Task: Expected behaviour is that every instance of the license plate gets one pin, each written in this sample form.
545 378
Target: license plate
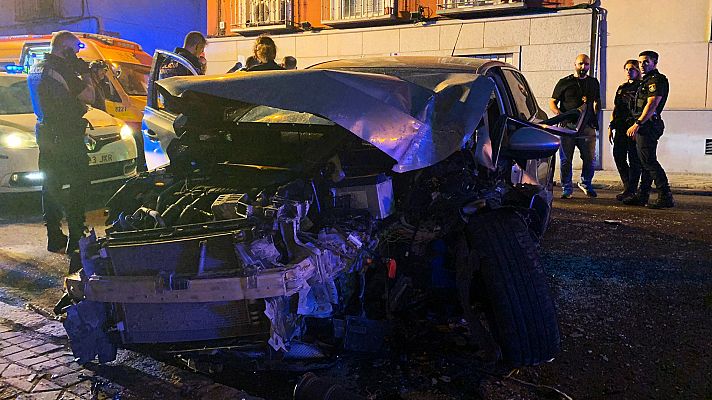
100 158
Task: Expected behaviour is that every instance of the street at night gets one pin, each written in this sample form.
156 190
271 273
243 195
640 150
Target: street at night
632 288
355 200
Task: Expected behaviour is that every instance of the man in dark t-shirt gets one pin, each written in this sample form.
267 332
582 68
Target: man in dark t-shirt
650 100
572 92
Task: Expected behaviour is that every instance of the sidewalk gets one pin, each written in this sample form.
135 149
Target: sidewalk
684 183
36 363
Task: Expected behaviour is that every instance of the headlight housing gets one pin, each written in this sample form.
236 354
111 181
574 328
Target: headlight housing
14 139
126 132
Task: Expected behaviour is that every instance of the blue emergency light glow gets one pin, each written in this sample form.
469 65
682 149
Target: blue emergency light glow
14 69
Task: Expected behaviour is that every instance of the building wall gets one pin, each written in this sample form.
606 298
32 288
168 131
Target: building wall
678 30
151 23
311 11
544 47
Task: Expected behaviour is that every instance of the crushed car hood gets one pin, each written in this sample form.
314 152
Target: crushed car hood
412 124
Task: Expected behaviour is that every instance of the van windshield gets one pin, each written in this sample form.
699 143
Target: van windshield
14 96
132 77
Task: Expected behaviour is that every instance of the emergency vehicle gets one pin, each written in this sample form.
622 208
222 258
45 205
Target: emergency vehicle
129 67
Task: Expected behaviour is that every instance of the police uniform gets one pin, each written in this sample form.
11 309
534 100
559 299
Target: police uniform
60 131
625 152
572 92
174 68
653 84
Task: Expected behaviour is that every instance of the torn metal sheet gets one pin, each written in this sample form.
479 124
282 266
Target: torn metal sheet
414 125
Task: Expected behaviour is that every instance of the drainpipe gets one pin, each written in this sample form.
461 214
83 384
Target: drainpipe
218 31
597 15
598 69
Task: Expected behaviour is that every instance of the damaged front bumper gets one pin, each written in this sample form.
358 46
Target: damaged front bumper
213 281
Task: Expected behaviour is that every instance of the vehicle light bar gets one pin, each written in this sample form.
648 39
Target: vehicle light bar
14 69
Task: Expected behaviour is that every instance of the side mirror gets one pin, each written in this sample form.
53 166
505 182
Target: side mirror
568 116
577 116
531 143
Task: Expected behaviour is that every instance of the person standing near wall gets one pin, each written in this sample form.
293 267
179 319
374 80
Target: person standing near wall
60 89
625 153
289 62
265 50
571 92
650 100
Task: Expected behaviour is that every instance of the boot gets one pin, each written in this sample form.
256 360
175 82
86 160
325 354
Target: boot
75 234
56 241
624 195
664 200
638 199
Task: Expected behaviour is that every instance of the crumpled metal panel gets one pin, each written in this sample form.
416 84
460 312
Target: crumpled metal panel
85 327
414 125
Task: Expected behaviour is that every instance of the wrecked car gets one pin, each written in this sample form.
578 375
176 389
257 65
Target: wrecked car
323 206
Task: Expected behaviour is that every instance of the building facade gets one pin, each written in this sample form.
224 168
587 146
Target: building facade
542 38
150 23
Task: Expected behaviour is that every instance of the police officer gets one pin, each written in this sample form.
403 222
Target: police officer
60 88
646 131
625 153
572 92
193 47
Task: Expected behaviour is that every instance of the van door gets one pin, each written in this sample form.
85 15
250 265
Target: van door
159 125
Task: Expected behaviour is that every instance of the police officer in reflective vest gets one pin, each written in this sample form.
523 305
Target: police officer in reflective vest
646 131
60 87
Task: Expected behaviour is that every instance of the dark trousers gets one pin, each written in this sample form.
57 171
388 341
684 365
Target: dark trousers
625 154
647 144
62 167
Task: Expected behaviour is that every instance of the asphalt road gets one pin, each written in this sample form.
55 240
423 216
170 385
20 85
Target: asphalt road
633 288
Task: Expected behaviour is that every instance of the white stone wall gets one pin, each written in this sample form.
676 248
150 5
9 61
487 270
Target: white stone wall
544 47
682 146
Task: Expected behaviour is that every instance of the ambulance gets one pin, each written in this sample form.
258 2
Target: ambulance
129 66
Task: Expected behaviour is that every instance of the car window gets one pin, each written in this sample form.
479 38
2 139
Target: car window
524 103
14 96
132 77
167 65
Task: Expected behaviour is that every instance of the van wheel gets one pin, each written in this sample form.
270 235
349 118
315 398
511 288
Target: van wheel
512 285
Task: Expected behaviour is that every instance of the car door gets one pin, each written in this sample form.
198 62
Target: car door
159 125
521 105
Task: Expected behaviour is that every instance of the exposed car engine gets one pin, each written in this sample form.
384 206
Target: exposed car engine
334 248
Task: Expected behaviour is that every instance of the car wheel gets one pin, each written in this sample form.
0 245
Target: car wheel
520 309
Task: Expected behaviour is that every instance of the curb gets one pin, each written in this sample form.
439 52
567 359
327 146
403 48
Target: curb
36 362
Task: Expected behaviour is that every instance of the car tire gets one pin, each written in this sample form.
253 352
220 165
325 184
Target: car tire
520 308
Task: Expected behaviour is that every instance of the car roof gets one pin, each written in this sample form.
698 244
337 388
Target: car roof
464 64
